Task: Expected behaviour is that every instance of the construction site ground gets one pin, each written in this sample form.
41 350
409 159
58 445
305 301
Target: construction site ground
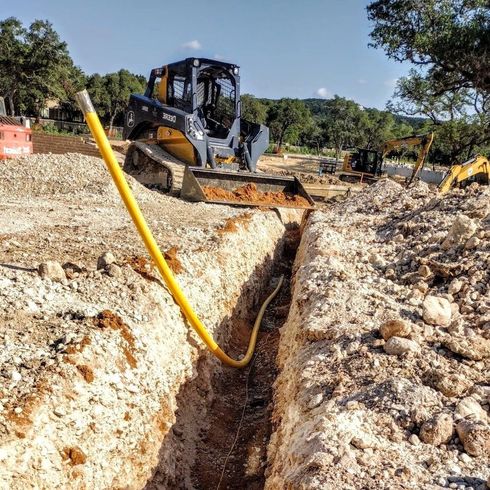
320 187
371 370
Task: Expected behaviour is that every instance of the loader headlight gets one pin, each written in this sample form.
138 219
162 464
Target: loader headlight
196 62
193 130
235 70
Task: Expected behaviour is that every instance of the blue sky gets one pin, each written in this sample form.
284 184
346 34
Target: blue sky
285 48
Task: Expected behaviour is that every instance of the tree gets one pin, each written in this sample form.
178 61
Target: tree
253 110
460 119
12 56
286 116
34 65
312 134
345 122
447 40
110 93
379 127
448 43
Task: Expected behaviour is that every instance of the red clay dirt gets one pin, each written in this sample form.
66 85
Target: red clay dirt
249 193
108 319
230 225
144 267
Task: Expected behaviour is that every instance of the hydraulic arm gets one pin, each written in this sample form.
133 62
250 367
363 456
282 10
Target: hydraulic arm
477 168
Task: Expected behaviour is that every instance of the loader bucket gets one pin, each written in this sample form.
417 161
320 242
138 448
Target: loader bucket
244 189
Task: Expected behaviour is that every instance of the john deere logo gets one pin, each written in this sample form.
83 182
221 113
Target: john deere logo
130 119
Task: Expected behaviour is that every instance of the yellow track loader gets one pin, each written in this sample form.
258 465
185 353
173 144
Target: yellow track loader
367 165
189 140
477 169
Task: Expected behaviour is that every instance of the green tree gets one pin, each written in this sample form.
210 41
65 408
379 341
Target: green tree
448 43
110 93
345 122
460 119
312 134
253 110
285 118
379 127
447 40
34 65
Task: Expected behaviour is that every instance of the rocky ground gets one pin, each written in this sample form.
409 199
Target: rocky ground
305 169
385 355
95 354
383 360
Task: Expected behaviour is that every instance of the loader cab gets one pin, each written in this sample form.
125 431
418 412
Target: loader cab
366 161
209 89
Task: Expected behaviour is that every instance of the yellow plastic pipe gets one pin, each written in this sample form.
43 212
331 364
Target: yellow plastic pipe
139 221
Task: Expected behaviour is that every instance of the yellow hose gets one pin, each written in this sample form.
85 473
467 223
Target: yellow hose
139 221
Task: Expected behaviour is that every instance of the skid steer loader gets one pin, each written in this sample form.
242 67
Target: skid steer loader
188 139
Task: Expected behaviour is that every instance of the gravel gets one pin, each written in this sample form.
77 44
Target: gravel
382 256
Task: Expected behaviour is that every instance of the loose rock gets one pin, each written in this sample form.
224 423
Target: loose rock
475 348
475 437
461 229
399 345
392 328
469 408
51 270
436 311
105 259
451 384
437 430
377 260
114 270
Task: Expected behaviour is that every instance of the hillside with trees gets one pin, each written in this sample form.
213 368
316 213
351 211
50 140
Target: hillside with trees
447 91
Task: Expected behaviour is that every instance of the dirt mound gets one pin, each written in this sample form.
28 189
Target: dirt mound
386 353
145 268
67 175
249 193
309 178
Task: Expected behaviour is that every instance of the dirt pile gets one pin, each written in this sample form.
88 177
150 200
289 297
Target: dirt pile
94 351
68 176
385 355
309 178
249 193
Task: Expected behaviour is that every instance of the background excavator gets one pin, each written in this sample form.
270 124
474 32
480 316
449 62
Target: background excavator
188 137
367 165
477 169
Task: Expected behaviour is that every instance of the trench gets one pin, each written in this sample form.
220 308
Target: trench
223 423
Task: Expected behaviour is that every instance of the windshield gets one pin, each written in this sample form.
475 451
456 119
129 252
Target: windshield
216 102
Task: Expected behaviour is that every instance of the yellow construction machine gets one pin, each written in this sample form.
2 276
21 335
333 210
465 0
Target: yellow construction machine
367 165
188 138
477 169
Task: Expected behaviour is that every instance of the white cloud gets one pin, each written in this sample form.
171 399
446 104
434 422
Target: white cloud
362 81
391 82
218 57
195 44
322 92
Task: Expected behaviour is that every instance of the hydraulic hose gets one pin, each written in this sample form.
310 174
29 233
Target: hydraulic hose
151 245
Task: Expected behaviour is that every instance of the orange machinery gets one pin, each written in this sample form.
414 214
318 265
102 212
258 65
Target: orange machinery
15 139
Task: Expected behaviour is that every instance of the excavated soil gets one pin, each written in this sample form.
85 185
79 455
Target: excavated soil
384 358
379 339
248 193
95 353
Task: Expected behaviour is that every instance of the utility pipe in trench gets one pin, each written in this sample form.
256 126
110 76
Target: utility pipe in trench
146 235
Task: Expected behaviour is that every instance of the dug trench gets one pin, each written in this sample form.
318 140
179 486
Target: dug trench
223 423
103 384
